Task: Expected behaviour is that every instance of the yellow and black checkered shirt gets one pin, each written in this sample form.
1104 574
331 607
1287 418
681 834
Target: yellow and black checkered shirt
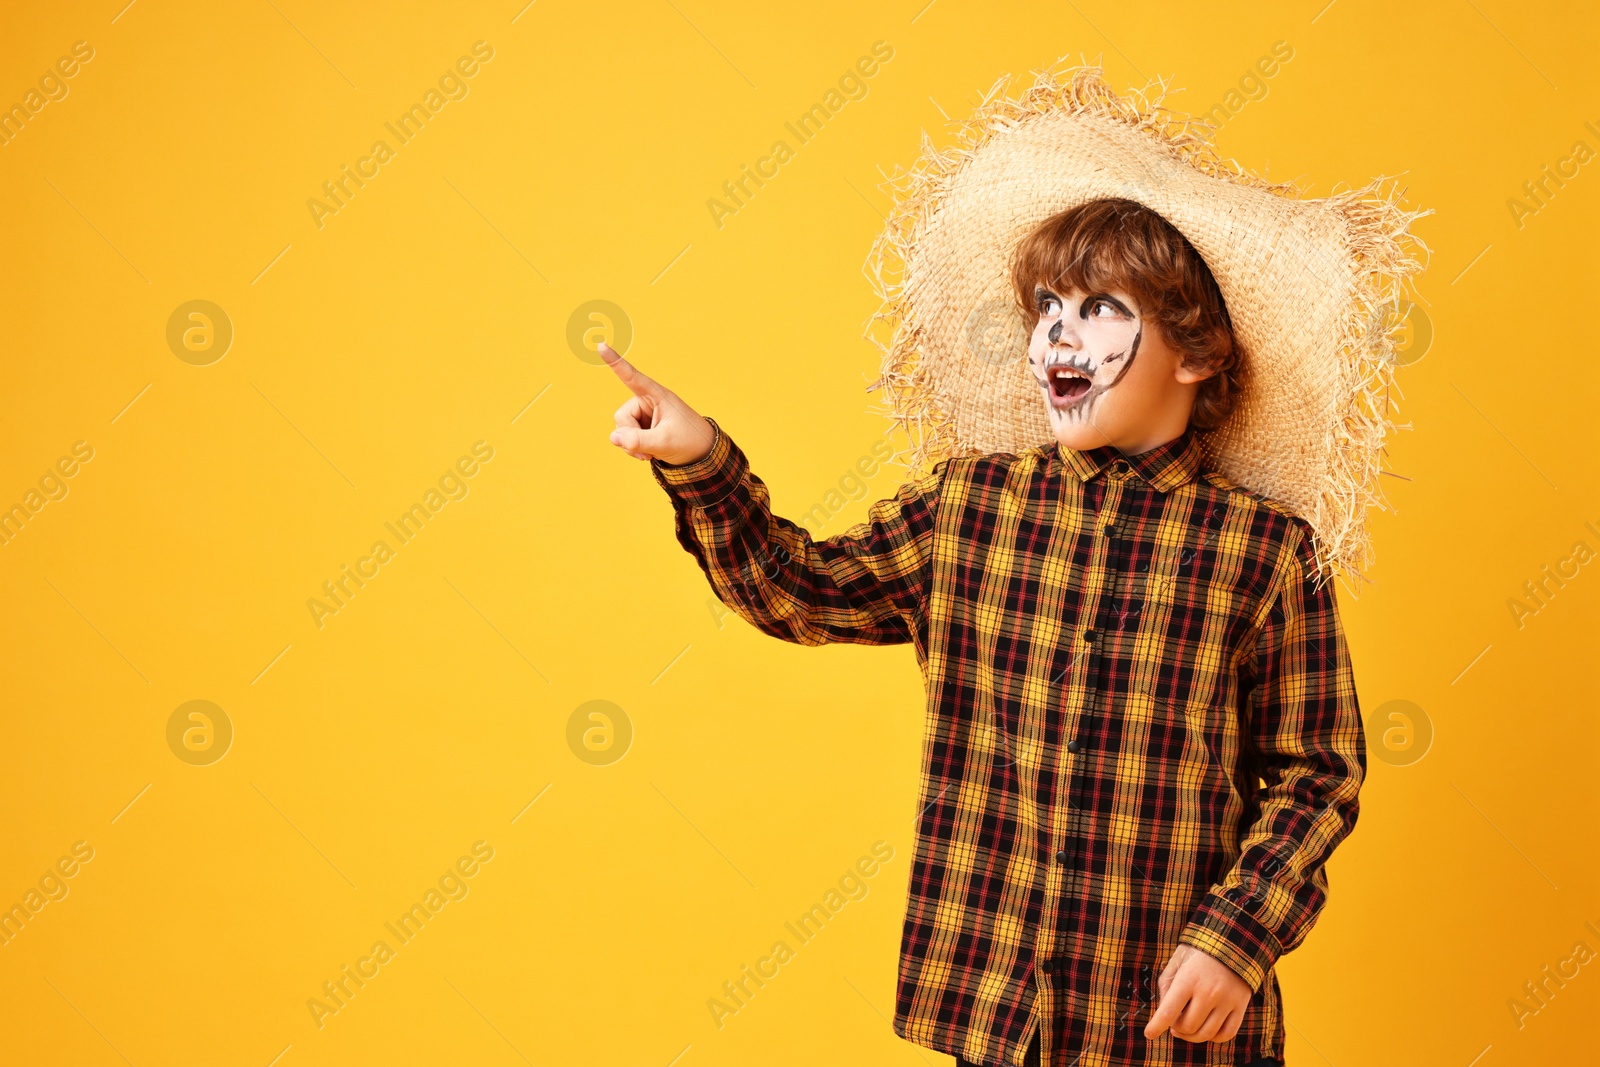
1141 728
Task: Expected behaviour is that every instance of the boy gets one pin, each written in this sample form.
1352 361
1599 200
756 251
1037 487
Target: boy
1142 736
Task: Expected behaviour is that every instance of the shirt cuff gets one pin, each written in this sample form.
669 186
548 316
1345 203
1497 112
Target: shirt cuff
709 479
1223 929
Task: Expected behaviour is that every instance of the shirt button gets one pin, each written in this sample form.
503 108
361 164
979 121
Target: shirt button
1061 856
1074 746
1088 637
1119 466
1109 529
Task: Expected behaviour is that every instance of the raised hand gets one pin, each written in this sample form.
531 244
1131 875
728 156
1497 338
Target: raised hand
654 423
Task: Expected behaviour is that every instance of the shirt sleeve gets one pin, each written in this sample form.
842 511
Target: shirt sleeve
1305 726
868 585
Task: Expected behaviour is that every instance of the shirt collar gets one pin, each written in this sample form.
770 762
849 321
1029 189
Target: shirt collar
1164 467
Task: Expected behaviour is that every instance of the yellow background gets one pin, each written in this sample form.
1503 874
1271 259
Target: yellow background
425 716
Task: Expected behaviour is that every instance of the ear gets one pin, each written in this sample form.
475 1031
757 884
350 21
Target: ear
1187 376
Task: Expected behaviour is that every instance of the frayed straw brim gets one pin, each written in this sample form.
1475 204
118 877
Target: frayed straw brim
1314 288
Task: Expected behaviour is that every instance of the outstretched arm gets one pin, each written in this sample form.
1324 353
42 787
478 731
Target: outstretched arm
867 585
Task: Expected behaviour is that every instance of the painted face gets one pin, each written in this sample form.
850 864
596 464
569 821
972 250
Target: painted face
1083 348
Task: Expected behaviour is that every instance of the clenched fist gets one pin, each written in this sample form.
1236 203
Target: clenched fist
654 423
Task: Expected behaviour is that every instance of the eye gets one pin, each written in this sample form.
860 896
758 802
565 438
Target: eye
1049 304
1103 307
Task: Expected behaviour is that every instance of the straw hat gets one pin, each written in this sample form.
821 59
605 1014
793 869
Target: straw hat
1314 288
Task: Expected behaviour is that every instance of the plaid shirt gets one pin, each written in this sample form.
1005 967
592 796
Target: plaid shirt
1141 728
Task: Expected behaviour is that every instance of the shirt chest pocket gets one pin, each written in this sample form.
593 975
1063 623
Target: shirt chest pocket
1171 577
1165 567
1184 566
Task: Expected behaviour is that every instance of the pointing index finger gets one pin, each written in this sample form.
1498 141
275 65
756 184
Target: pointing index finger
634 378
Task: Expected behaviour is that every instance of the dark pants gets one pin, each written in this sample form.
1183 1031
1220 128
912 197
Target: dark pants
1032 1058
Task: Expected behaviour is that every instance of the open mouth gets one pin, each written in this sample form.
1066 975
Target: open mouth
1066 383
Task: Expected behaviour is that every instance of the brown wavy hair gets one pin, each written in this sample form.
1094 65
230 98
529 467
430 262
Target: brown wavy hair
1120 244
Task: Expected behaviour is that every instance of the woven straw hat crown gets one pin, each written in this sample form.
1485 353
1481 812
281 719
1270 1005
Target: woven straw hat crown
1314 289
